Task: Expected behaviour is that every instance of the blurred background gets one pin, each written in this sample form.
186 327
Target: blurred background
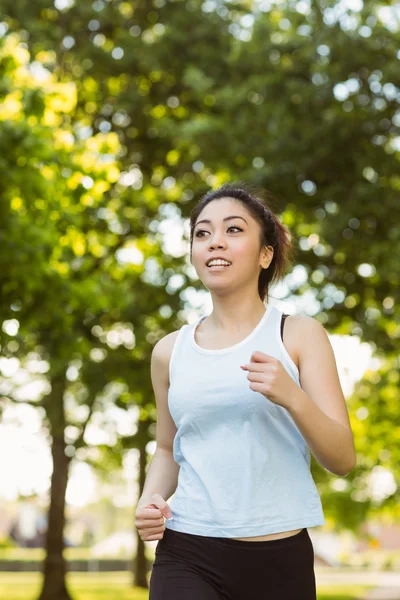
115 117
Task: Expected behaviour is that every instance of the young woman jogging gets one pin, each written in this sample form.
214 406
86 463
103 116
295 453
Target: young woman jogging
242 397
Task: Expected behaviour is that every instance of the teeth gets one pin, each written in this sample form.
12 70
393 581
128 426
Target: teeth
218 262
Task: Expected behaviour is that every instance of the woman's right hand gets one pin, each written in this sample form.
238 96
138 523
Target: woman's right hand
149 518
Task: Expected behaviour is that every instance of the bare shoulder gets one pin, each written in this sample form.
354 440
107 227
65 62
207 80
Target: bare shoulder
297 329
302 323
164 346
162 351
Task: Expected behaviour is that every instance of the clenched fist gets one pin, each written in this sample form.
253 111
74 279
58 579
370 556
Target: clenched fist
149 518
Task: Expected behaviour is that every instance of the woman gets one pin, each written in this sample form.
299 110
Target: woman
239 406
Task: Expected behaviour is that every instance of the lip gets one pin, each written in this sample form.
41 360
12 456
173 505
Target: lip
218 267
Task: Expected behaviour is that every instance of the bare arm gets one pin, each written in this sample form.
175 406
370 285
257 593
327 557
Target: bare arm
161 478
319 407
162 474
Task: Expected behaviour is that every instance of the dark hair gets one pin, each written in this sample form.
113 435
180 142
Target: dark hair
273 233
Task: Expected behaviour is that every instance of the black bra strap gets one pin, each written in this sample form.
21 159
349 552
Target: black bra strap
282 323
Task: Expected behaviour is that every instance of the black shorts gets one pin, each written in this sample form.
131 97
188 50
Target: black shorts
195 567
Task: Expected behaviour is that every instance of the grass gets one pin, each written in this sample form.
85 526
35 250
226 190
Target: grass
82 586
117 586
342 592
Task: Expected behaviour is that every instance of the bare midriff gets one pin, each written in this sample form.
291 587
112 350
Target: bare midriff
271 536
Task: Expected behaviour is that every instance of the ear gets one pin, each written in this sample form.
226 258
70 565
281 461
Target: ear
267 256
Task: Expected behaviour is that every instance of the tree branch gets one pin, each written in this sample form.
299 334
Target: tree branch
79 442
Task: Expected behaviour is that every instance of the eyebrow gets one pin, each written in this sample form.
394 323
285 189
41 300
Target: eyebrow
226 219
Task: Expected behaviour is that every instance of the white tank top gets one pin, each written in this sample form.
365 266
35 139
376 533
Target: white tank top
244 465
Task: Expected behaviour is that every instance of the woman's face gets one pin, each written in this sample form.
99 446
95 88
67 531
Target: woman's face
235 239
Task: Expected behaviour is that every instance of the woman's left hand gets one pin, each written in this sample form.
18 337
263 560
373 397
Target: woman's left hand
268 376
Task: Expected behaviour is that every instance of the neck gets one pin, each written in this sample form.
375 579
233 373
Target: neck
234 316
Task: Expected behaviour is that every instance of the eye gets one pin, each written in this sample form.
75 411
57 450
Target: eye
204 231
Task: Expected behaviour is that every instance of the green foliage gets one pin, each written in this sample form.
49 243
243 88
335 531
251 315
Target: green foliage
132 117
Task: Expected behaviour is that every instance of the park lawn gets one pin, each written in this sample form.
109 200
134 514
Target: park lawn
82 586
116 586
341 592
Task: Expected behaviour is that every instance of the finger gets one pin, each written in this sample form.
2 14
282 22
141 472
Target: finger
143 522
256 377
258 356
257 387
152 530
254 367
159 501
151 513
153 538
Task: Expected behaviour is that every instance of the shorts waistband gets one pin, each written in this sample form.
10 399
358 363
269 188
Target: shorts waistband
264 543
286 541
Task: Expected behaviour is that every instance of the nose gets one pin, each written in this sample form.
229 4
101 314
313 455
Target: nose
217 241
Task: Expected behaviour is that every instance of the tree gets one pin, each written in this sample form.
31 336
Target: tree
64 276
302 100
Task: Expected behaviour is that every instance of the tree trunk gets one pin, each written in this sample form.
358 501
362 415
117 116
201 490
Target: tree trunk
140 563
54 584
54 581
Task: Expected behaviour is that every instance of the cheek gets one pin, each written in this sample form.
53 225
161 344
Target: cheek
244 252
198 257
196 252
